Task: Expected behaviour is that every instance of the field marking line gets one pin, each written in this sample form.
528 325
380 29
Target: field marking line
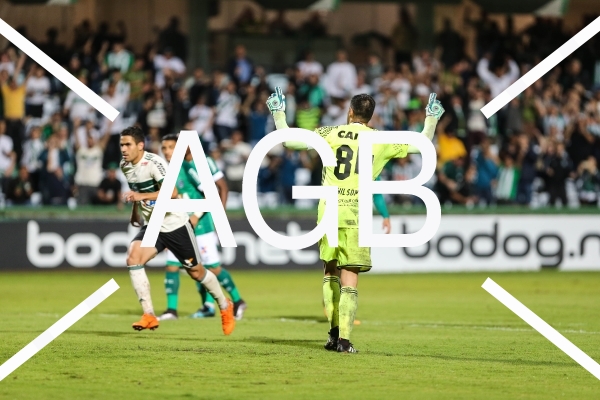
59 327
542 327
541 69
56 70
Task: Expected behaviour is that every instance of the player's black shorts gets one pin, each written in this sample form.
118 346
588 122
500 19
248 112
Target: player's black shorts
181 242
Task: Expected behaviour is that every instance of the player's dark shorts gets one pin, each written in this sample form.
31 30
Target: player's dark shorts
181 242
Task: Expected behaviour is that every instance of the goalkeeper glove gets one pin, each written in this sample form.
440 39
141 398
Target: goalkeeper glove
276 102
434 107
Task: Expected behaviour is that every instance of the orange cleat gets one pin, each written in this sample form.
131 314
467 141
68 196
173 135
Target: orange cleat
227 318
147 322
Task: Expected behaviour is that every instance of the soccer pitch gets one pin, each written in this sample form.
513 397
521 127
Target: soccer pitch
422 337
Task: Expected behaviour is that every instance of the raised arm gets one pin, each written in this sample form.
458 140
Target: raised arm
433 112
276 104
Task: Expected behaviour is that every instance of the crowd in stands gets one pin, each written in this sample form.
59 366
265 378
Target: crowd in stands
542 148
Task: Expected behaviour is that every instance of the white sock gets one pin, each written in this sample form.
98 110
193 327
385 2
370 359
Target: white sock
141 285
211 283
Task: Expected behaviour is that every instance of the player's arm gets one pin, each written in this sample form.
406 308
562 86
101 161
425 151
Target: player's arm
276 104
433 112
136 196
380 206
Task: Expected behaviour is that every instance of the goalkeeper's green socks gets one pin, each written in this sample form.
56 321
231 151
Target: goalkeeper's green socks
331 299
226 281
348 307
172 289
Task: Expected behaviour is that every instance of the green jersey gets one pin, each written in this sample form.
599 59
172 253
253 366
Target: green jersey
189 187
343 140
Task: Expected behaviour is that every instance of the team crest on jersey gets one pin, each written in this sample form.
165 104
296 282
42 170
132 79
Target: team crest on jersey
144 163
189 262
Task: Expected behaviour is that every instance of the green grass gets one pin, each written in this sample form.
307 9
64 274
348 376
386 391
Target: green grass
421 337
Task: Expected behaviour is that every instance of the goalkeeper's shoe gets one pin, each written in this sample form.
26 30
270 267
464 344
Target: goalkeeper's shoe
227 318
204 312
147 322
238 309
332 341
344 346
169 315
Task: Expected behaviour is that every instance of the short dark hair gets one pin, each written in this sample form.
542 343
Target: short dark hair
135 132
363 107
170 136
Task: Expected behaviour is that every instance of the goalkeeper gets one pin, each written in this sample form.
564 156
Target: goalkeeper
342 264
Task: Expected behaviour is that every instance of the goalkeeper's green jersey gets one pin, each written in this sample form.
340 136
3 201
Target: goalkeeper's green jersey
189 187
343 140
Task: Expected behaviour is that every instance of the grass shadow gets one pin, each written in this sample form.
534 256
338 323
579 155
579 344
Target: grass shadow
305 343
515 361
308 318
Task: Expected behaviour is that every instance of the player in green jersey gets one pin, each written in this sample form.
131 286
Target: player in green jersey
188 186
343 263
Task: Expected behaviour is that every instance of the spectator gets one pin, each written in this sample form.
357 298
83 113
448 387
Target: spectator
241 68
268 174
486 164
588 182
258 116
165 64
199 86
136 78
374 69
341 76
558 167
226 111
89 158
504 75
313 91
119 58
455 183
54 183
307 116
508 178
112 153
201 116
405 169
37 88
13 97
20 188
290 162
309 66
8 157
32 149
109 190
235 155
77 108
449 147
387 111
528 157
